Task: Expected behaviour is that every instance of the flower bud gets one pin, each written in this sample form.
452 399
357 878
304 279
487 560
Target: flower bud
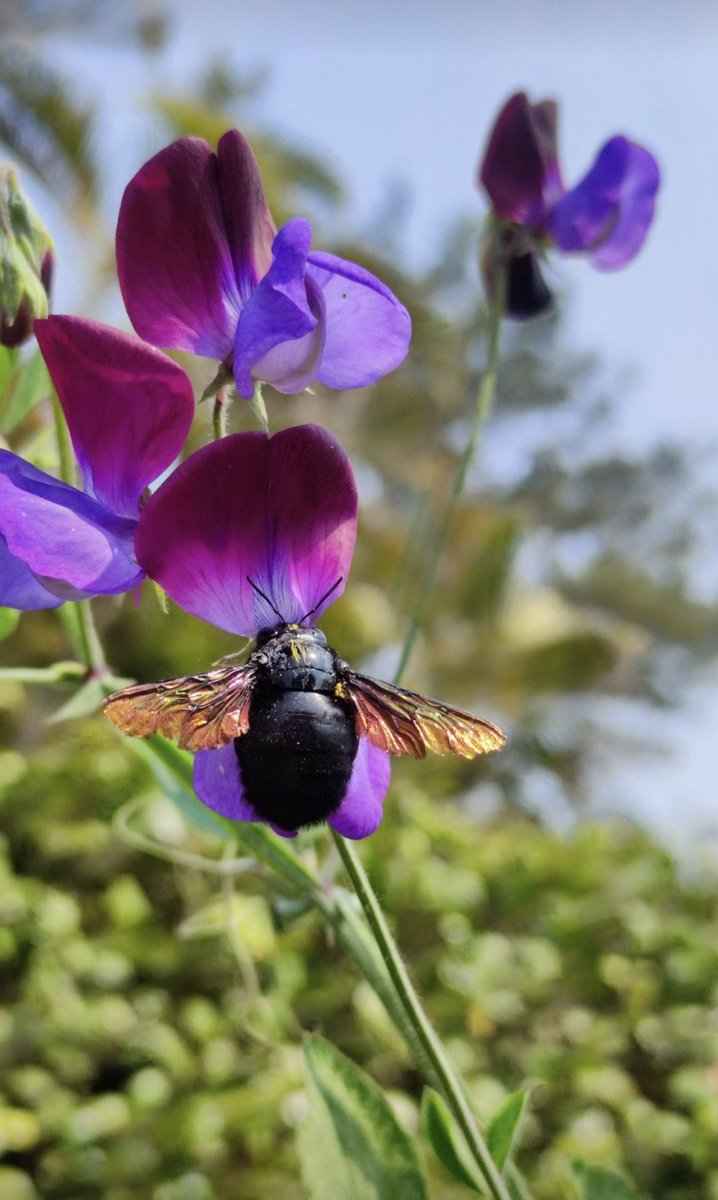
26 262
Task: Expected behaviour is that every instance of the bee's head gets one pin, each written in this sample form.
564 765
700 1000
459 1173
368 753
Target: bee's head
266 635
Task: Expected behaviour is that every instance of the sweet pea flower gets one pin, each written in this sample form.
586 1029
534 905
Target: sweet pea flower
606 216
280 512
128 409
202 268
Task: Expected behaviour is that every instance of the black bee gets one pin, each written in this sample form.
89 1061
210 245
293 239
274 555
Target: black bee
296 712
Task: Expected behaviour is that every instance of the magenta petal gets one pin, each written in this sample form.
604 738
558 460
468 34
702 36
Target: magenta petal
128 407
280 511
18 586
609 213
280 314
520 168
360 812
247 220
61 534
173 259
218 783
367 330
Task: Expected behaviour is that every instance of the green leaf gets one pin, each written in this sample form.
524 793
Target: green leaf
9 618
447 1142
599 1184
351 1144
87 699
503 1126
26 387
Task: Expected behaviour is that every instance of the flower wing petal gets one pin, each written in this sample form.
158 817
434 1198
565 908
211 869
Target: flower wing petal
360 812
218 783
18 586
280 333
367 329
128 407
173 256
608 214
62 534
280 511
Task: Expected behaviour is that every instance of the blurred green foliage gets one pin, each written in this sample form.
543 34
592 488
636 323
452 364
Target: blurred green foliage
152 1014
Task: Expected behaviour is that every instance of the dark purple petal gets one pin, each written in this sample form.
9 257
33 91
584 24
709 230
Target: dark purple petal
218 783
63 535
247 219
280 333
608 214
281 511
18 586
360 812
128 407
367 330
520 168
174 261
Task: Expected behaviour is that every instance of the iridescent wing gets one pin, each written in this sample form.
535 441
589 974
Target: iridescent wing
202 711
404 722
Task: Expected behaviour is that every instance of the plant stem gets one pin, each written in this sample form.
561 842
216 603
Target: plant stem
219 412
442 1068
79 624
65 462
484 402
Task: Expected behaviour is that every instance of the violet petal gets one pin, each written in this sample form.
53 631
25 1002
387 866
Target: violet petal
280 314
280 511
608 214
218 783
367 330
520 170
18 586
62 534
247 220
128 407
174 262
360 812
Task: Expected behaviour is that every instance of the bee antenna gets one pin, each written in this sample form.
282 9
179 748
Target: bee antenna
319 603
264 596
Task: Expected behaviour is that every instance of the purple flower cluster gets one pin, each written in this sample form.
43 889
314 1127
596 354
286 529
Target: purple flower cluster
254 530
605 217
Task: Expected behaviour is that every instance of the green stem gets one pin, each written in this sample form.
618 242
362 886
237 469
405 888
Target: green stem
61 674
451 1087
484 402
65 459
259 408
79 621
219 413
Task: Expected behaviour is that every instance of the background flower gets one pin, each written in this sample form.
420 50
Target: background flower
202 268
128 409
606 216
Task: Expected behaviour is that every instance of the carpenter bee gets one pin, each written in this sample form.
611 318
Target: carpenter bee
295 713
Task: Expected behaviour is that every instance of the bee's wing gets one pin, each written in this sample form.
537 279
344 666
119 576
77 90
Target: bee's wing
202 711
404 722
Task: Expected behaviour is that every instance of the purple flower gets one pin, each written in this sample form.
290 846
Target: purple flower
606 216
202 268
248 528
128 409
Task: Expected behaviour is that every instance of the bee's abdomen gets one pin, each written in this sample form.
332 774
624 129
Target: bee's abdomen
296 759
